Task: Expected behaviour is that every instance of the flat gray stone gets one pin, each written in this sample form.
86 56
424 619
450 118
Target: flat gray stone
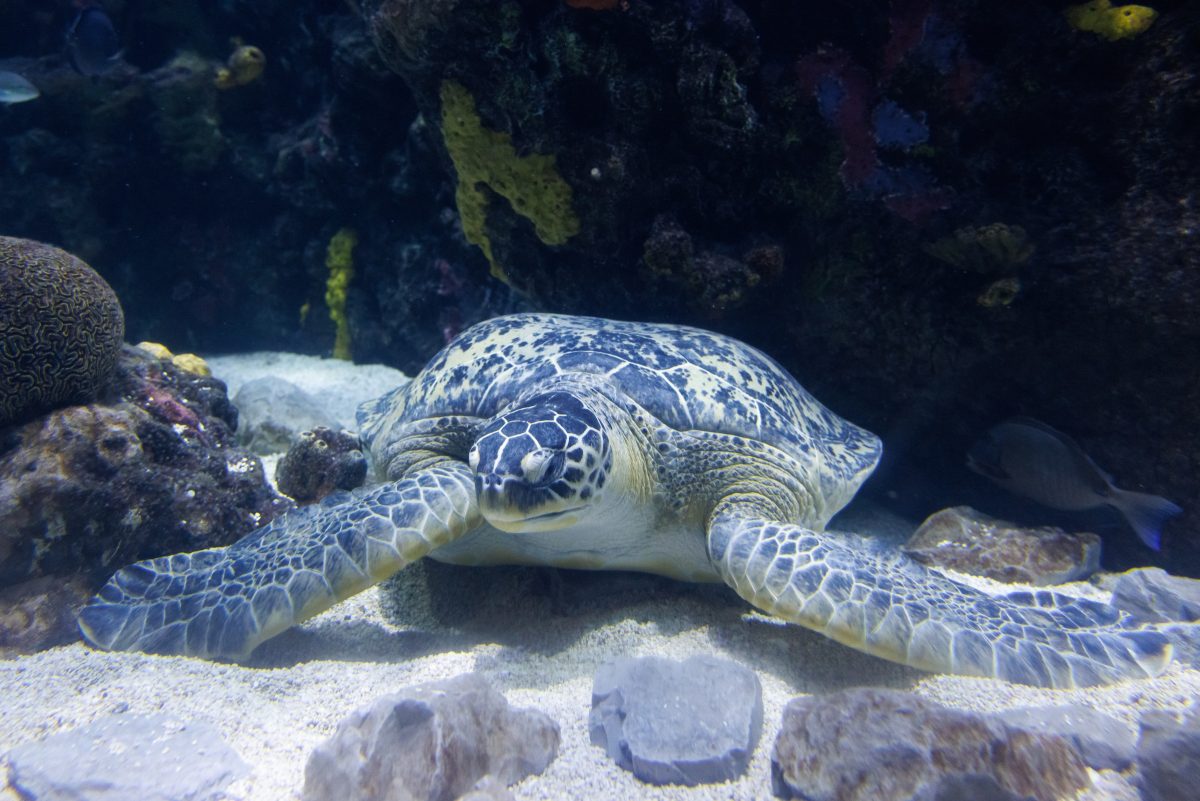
431 741
668 722
123 757
1104 742
1168 756
963 539
272 413
1152 595
887 745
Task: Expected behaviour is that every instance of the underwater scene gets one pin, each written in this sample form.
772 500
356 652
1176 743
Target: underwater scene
615 399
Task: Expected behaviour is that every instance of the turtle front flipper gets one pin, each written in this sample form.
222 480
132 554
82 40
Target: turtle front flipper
880 601
223 602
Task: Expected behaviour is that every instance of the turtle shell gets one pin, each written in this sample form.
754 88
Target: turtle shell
690 379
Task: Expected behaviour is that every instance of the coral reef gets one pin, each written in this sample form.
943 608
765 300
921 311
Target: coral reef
150 468
186 118
61 327
484 157
984 249
597 5
188 362
713 283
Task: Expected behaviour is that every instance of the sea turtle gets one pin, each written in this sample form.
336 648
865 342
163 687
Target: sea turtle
588 443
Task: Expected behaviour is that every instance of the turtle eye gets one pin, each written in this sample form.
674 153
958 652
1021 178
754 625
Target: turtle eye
534 464
473 457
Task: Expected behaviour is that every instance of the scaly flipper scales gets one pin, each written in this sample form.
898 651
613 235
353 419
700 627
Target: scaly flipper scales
223 602
879 601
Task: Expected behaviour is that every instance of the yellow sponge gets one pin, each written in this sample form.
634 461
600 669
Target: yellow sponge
530 183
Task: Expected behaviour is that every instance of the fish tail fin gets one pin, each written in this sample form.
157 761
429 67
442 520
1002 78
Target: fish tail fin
1146 513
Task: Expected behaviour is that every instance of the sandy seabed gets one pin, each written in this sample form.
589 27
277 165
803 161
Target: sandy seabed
538 635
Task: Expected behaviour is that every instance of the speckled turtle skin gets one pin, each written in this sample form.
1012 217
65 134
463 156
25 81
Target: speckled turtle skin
596 444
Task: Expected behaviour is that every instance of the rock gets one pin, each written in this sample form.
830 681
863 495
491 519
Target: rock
962 539
887 745
339 387
1168 756
151 468
967 787
668 722
61 326
1185 639
321 461
1104 742
489 788
274 412
39 614
150 758
1152 595
433 741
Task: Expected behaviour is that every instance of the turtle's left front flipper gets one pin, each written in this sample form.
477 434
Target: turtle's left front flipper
880 601
223 602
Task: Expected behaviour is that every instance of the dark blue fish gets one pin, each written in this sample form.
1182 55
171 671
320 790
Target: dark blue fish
1031 459
92 44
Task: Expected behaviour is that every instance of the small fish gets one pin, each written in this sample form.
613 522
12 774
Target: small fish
92 44
15 89
1033 460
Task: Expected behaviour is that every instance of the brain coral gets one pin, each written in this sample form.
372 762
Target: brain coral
61 328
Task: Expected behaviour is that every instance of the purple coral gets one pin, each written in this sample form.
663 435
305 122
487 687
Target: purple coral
896 128
851 99
845 93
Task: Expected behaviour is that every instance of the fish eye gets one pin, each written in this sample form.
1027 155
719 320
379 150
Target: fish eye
473 457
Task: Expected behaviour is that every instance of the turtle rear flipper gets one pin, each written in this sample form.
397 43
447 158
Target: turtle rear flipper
223 602
882 602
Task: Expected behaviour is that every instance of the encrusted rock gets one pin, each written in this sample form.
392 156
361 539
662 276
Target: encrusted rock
1152 595
40 613
1185 639
152 757
150 469
960 538
61 327
431 741
489 788
887 745
273 413
1104 742
320 462
668 722
1168 756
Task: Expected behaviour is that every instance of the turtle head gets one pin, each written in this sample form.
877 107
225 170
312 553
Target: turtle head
543 466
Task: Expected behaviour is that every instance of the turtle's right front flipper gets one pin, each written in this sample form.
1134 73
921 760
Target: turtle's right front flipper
223 602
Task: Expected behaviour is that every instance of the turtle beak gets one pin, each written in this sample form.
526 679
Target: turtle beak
489 491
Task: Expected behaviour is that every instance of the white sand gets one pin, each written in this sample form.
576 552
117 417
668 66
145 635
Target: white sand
538 636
